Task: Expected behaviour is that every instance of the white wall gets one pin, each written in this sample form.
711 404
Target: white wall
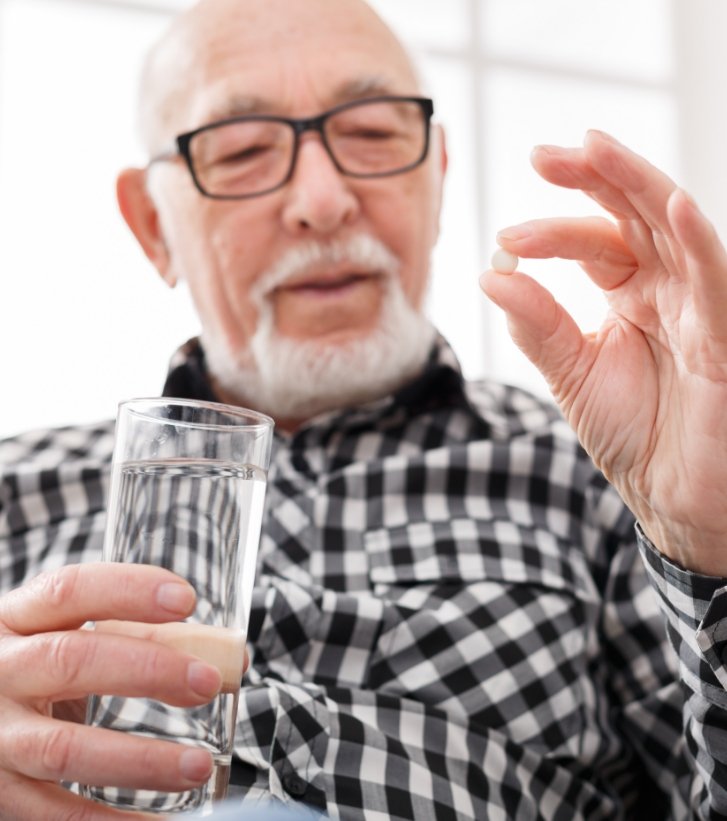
700 49
83 319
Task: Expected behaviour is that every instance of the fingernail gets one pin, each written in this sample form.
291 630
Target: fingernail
602 134
196 765
204 679
515 232
545 149
177 597
689 199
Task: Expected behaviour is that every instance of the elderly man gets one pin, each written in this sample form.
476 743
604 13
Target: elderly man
452 619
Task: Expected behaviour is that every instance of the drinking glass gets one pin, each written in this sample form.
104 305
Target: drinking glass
187 490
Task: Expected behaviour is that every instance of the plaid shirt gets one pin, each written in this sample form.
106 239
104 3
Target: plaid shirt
450 620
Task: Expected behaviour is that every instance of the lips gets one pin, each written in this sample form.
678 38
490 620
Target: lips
327 282
339 300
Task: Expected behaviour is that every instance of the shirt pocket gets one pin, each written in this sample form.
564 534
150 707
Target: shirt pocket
490 620
464 551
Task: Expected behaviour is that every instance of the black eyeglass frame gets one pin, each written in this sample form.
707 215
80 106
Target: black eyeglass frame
300 126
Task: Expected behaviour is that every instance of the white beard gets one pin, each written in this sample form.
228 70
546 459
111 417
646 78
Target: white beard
298 379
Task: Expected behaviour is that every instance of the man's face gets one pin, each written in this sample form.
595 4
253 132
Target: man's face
297 60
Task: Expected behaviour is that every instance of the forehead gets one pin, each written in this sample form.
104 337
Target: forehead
310 56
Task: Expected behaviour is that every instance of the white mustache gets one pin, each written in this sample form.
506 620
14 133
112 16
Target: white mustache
361 251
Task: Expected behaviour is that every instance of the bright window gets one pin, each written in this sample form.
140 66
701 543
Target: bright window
85 322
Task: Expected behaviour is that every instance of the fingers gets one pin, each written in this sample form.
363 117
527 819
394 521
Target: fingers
67 598
570 168
644 186
23 799
68 665
660 226
626 185
44 658
595 242
222 647
706 260
540 327
47 750
622 181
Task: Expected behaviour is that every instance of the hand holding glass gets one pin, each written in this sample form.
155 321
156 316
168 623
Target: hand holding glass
187 490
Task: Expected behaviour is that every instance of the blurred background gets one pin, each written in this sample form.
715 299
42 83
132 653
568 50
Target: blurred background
84 320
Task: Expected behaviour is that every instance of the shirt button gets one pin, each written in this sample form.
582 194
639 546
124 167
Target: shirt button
294 785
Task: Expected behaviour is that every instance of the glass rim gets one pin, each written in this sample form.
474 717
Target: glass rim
262 421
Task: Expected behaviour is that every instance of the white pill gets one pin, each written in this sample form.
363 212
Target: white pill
504 262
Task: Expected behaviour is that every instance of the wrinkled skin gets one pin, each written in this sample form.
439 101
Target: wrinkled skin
47 668
647 393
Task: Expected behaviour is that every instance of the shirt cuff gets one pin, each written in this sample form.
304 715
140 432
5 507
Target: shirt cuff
696 609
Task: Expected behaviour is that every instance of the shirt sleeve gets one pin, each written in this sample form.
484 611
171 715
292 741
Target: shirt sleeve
53 490
695 607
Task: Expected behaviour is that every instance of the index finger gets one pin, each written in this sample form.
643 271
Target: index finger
626 185
67 598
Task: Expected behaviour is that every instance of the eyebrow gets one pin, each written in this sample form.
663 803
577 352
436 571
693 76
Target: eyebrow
365 87
357 89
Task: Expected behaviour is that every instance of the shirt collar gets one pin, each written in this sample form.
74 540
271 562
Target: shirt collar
440 384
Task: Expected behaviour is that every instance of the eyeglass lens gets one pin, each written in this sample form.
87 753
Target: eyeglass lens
254 155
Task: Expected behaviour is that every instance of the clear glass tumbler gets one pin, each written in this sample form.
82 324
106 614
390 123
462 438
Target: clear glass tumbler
187 490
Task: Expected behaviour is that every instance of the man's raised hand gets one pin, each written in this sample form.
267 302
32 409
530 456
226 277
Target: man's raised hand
647 393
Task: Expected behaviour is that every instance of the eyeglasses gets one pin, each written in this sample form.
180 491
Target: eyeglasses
249 156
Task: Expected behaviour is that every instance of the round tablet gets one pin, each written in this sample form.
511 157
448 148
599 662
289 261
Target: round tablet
504 262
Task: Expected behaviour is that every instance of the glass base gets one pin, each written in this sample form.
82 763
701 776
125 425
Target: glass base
200 801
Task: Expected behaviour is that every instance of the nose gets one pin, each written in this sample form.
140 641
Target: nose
319 199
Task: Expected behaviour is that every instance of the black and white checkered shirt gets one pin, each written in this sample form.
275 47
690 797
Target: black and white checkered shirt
451 618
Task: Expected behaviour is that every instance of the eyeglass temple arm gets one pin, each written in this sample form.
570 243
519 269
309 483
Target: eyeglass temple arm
169 153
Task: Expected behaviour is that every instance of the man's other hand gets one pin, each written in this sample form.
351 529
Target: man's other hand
49 665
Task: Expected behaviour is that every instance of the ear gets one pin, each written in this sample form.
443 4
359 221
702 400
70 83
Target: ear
142 217
440 147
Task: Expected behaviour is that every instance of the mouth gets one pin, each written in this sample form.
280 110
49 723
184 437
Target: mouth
328 301
331 283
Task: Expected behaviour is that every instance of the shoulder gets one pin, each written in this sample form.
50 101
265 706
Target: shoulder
53 491
52 448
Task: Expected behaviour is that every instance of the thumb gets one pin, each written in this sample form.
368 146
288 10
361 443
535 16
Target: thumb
543 330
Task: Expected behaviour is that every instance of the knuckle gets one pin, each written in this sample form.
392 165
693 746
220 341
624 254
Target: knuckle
157 665
152 764
56 753
78 812
19 798
66 655
18 745
58 588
